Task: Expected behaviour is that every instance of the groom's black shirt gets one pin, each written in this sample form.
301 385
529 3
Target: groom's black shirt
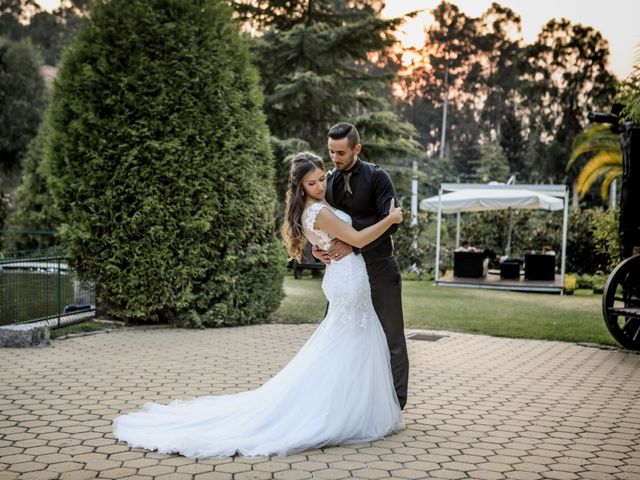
372 191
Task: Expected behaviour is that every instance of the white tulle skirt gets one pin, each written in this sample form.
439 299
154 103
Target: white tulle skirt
338 389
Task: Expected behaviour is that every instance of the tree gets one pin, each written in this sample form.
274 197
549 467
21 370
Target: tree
320 63
629 91
49 32
566 77
32 223
22 99
449 79
512 141
13 15
492 165
159 164
500 47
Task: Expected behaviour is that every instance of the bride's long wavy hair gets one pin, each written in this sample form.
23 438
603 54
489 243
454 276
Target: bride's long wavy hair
292 233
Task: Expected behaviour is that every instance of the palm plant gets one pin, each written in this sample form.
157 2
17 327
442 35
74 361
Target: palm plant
606 162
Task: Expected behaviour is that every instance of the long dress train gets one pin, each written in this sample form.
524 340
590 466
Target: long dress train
338 389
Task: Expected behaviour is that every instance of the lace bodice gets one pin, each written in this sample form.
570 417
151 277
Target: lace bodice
345 283
315 235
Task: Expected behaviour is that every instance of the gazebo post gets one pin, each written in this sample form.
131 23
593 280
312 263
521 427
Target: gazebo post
438 234
565 221
458 230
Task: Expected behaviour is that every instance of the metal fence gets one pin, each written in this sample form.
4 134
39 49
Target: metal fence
43 290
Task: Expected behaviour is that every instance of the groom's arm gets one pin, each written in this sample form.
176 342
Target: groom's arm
338 247
383 192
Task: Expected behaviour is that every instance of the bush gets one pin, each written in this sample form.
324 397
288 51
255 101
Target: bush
160 166
582 257
598 281
606 236
584 281
32 224
418 258
531 230
570 283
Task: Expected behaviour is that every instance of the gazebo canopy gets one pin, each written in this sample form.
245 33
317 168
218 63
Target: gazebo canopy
474 197
480 199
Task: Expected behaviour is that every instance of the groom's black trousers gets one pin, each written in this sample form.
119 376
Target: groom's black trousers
386 293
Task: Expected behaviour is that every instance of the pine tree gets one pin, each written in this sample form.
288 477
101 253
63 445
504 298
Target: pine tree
492 164
160 166
316 59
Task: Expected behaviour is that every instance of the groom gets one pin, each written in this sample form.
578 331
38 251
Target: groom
364 191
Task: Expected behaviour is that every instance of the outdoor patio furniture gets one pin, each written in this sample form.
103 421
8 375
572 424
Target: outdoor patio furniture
510 270
468 264
538 266
308 261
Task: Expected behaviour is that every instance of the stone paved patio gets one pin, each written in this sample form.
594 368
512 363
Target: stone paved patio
479 408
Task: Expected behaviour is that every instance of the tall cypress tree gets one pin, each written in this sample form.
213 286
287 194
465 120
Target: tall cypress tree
159 164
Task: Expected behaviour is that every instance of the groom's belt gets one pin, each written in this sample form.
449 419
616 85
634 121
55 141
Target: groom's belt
378 252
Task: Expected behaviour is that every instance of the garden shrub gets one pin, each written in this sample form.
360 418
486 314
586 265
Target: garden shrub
160 166
606 236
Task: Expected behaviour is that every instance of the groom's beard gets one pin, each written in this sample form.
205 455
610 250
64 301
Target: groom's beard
349 165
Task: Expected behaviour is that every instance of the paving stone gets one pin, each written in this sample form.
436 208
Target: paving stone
25 467
370 473
118 473
272 466
156 470
488 475
460 466
234 467
408 474
53 458
65 467
361 457
331 474
291 475
192 468
174 476
449 474
520 475
39 475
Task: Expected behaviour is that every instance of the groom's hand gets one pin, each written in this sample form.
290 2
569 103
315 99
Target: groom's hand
322 255
339 249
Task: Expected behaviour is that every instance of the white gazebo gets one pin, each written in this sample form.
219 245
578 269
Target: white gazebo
473 197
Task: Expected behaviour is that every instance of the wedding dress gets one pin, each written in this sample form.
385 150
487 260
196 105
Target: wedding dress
338 389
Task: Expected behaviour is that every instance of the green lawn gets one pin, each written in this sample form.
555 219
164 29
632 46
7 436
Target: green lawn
571 318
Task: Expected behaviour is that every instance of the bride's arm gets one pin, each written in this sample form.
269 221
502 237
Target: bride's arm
334 226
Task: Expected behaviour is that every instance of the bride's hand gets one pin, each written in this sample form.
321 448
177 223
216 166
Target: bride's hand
395 212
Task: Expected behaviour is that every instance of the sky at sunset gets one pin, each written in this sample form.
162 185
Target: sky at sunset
617 20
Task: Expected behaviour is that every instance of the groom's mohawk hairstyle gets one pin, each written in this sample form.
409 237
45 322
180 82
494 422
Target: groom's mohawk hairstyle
342 130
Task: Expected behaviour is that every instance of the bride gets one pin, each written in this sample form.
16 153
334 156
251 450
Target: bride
338 389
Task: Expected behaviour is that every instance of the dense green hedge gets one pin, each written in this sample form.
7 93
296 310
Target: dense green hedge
160 165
